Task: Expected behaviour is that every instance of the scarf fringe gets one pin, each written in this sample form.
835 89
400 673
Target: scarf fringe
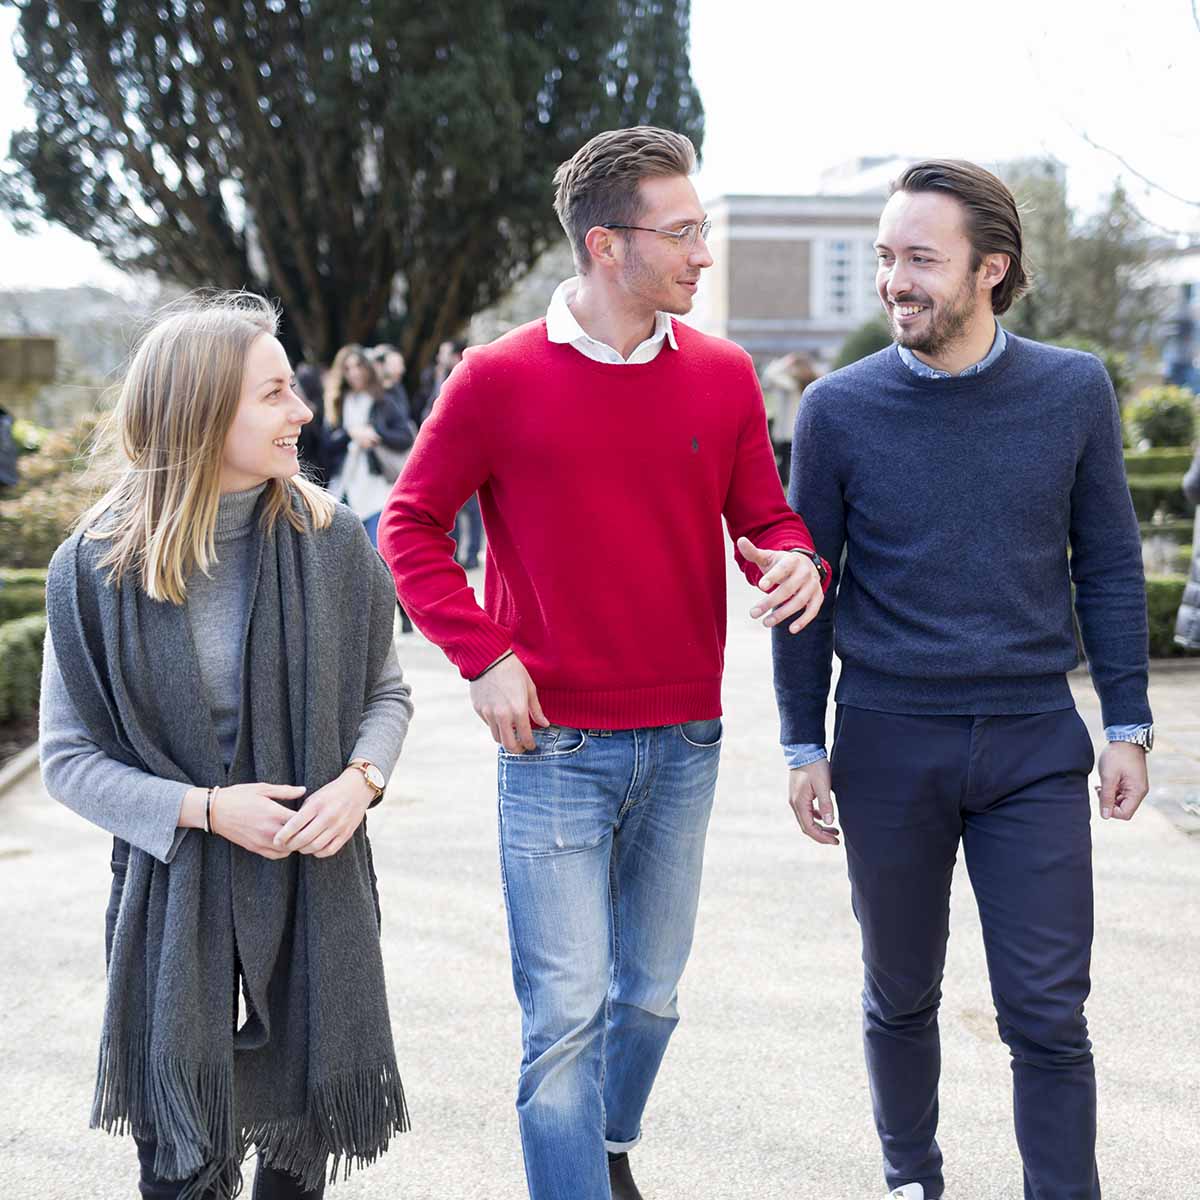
352 1117
187 1108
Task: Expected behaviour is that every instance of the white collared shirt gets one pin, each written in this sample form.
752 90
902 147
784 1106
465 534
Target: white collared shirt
561 326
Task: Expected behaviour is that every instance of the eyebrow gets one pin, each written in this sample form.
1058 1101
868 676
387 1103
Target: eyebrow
276 379
687 221
926 249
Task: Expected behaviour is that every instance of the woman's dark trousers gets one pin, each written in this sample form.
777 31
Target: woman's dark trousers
269 1184
1013 790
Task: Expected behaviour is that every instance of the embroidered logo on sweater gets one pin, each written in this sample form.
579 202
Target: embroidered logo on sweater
695 445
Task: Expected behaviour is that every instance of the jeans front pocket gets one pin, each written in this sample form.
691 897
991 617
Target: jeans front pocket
702 735
554 741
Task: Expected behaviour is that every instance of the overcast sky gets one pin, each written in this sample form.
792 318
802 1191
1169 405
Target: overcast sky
793 86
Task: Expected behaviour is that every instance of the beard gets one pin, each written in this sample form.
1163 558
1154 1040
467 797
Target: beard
642 281
947 321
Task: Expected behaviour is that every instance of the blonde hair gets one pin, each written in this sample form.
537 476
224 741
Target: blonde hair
598 184
175 409
336 384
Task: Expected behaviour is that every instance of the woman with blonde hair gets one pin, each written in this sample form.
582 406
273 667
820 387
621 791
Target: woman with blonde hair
369 436
205 701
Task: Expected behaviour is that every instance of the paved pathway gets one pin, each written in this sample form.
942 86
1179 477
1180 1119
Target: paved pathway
763 1093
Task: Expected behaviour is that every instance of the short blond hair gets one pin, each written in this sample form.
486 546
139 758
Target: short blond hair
176 406
598 184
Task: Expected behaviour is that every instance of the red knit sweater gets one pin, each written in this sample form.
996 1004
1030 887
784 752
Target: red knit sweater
602 489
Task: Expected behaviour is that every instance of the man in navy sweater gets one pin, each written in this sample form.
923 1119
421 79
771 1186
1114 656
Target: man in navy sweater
970 476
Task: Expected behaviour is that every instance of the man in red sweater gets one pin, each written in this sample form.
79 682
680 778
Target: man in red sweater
606 442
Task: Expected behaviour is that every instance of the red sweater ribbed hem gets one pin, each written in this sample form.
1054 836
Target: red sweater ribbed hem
633 708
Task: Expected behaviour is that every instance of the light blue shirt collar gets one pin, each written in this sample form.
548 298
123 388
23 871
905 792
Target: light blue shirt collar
925 371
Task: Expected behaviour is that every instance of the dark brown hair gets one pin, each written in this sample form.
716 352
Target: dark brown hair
598 184
992 221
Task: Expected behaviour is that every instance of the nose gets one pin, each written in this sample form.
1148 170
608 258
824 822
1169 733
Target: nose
897 280
300 413
699 255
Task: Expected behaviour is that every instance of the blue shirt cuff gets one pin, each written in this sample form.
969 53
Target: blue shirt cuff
800 754
1123 733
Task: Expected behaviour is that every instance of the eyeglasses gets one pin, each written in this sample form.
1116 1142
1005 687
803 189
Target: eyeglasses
685 238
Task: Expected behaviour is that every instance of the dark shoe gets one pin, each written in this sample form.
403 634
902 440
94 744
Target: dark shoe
620 1178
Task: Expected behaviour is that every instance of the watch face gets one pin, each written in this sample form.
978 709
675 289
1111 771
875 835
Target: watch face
374 776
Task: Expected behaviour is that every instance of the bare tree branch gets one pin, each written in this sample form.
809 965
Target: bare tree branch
1158 187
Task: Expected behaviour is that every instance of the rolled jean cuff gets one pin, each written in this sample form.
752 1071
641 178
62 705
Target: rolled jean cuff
622 1147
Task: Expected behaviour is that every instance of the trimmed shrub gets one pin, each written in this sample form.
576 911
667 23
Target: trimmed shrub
1179 528
1163 594
1163 416
55 489
33 523
23 575
868 338
21 666
21 599
1167 461
1152 493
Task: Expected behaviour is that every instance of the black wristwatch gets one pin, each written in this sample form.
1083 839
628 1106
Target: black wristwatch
816 560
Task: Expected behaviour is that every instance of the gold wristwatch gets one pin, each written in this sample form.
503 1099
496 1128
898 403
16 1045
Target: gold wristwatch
372 774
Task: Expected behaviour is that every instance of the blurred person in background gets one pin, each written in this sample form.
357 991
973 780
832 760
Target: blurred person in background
449 355
368 435
468 533
784 381
205 701
1187 623
310 387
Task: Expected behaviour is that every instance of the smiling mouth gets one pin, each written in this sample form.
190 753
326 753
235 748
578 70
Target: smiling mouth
906 312
288 443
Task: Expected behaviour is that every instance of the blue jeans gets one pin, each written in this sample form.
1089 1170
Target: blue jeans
601 847
371 525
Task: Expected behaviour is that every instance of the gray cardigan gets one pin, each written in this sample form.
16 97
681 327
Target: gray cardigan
140 808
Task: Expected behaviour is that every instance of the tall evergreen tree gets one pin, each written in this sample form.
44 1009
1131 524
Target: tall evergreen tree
365 161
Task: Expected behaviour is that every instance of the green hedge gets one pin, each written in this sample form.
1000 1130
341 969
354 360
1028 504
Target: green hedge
1153 492
1180 528
1163 416
21 666
21 599
1163 594
1169 461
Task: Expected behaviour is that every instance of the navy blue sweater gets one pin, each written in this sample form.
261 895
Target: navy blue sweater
966 507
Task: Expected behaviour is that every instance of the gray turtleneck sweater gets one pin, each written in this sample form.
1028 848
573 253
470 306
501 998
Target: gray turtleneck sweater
143 809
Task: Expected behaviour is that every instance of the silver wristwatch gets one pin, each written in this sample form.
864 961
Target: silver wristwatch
1141 737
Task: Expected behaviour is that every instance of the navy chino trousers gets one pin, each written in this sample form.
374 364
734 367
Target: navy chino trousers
1013 791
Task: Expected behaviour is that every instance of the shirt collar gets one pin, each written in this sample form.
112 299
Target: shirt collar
561 325
925 371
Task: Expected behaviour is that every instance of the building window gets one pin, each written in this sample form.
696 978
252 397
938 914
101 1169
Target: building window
848 283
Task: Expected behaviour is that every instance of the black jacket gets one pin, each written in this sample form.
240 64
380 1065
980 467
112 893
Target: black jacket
390 418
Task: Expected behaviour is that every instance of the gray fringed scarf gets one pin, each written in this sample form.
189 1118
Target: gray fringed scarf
312 1071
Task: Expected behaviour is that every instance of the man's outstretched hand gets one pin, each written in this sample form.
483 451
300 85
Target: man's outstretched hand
792 581
507 703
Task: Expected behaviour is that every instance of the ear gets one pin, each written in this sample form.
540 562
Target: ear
993 270
602 246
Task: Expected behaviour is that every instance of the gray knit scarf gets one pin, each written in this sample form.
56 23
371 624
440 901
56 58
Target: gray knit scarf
311 1073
